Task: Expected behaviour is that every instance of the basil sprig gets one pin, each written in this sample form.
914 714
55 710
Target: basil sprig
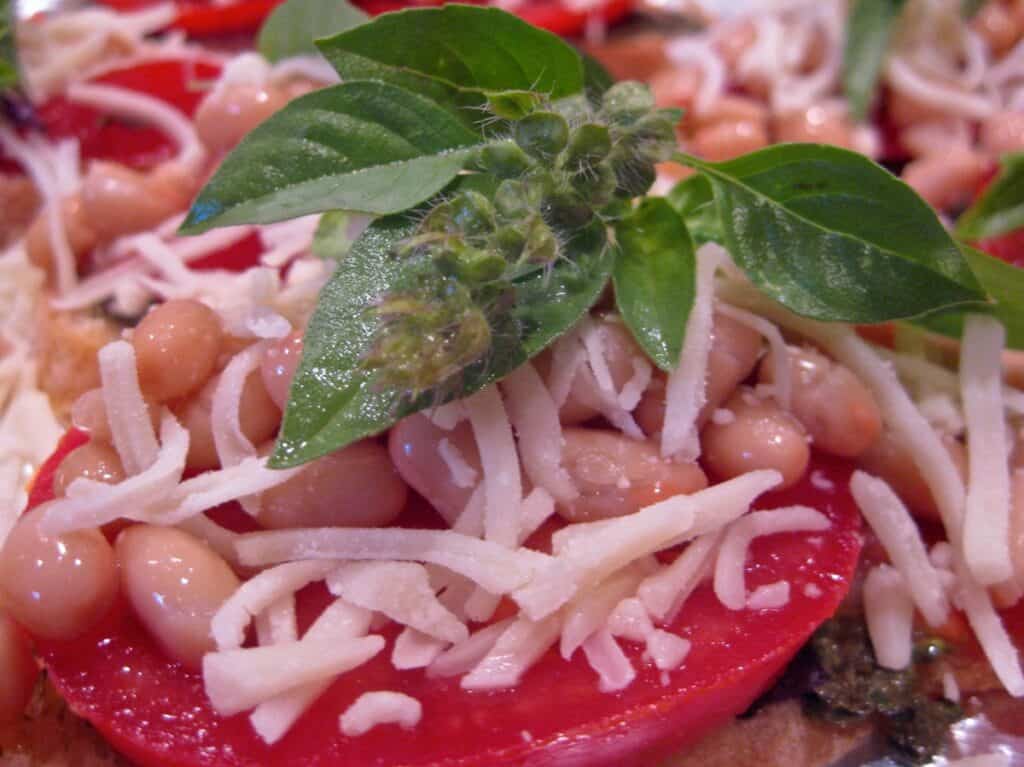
869 28
1000 208
506 169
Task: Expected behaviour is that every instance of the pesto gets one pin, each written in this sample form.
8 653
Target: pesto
847 685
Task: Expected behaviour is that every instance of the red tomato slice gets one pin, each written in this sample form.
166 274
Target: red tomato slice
102 137
1008 247
158 715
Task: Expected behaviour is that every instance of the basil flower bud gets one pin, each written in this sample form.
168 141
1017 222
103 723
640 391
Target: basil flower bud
471 213
510 242
566 210
541 244
588 145
653 137
635 175
512 105
505 160
542 134
511 200
424 339
596 184
470 265
627 102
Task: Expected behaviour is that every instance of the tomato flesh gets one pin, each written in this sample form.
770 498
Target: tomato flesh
157 714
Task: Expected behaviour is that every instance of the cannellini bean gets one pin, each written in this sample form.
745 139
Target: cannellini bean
228 114
82 237
117 200
620 350
56 586
761 435
94 460
726 139
904 110
414 444
947 181
837 410
19 201
1003 132
280 361
996 25
889 460
258 416
89 414
356 486
174 583
18 669
676 86
176 348
735 348
731 109
616 475
818 123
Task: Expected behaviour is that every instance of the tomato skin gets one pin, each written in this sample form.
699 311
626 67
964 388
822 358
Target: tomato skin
158 716
1008 247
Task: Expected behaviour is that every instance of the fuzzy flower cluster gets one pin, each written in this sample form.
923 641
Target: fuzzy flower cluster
561 166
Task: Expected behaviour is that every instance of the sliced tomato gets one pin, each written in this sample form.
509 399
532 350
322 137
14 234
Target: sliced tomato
1008 247
157 714
102 137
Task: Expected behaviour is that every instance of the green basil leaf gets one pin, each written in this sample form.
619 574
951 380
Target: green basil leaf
833 236
293 26
334 235
462 46
1001 208
8 53
693 199
868 32
596 78
361 146
655 268
1004 284
334 401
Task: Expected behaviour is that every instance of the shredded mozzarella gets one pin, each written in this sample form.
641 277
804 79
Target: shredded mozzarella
240 679
462 474
338 622
502 482
986 533
414 649
127 412
685 389
278 624
230 441
589 611
464 656
494 567
402 592
901 538
989 630
730 565
258 593
373 709
665 592
770 596
518 648
613 668
89 503
889 611
534 414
